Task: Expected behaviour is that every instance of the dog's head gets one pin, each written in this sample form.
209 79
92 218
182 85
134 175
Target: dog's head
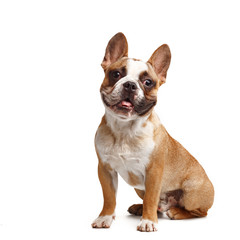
129 89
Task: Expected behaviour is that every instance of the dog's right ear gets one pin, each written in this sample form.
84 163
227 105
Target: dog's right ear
117 48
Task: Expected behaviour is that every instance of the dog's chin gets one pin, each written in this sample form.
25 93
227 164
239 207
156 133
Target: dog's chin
124 110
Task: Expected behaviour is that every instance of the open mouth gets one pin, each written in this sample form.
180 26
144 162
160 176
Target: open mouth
125 104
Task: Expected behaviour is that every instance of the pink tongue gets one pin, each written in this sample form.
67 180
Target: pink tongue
126 104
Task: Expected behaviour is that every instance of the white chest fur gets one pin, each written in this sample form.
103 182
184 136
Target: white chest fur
126 147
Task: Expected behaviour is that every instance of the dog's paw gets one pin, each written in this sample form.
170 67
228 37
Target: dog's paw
178 214
136 209
103 221
147 226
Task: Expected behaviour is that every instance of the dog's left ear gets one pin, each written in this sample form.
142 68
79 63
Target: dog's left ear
117 48
160 61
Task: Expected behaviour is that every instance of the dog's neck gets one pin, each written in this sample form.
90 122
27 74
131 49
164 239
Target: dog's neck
128 128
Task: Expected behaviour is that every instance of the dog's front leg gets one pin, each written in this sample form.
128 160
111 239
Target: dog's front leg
109 180
151 198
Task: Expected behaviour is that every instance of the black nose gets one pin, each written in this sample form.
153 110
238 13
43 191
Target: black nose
130 86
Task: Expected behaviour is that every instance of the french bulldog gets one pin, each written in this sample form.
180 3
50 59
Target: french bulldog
132 142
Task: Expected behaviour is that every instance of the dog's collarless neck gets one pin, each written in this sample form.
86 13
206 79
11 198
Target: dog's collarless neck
124 127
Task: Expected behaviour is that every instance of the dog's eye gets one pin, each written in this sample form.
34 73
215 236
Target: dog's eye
148 82
116 74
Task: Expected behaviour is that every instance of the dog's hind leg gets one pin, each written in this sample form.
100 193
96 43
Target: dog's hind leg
197 199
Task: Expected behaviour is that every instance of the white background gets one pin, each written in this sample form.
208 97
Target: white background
50 107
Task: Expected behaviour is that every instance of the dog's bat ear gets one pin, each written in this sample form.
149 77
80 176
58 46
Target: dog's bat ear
117 48
160 61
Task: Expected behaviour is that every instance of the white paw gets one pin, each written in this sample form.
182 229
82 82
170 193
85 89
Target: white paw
170 214
147 226
103 221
